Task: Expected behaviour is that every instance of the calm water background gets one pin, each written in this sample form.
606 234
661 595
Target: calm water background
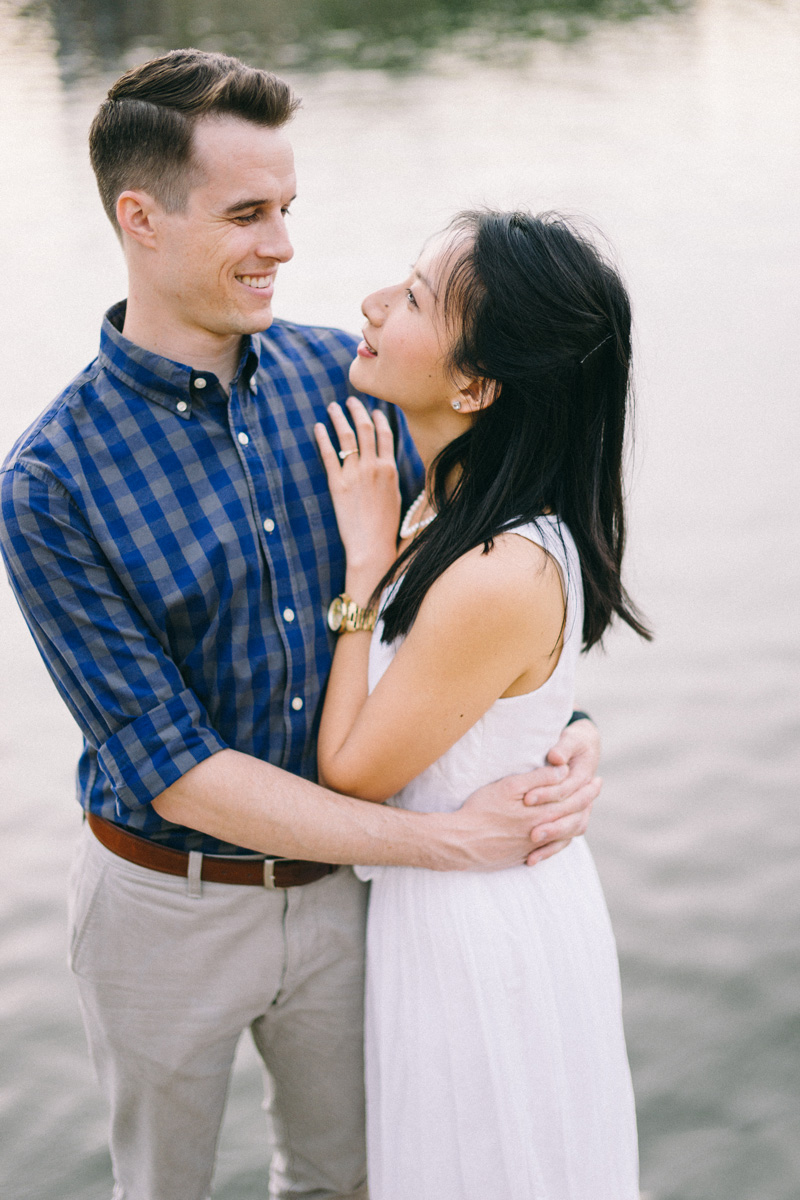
678 131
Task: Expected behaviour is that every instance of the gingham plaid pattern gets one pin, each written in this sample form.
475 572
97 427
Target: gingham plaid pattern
174 552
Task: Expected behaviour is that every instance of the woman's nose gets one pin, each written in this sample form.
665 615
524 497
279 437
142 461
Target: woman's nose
375 306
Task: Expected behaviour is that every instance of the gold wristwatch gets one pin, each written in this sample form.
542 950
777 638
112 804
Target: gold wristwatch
345 616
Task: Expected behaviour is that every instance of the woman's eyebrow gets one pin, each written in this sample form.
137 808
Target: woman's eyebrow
425 280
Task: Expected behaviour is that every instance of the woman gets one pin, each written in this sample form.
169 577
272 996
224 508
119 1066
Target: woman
496 1065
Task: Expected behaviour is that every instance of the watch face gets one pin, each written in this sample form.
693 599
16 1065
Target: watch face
336 614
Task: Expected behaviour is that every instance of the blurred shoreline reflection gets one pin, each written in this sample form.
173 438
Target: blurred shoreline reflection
314 35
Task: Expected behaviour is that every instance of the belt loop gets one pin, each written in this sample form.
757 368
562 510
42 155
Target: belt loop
194 886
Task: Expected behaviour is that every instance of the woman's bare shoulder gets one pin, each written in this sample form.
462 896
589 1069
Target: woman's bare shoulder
513 581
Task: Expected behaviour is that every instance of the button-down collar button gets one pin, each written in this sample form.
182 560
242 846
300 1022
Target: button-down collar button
181 406
200 382
243 438
288 614
297 703
253 385
269 524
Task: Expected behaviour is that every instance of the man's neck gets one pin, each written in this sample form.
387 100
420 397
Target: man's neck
197 348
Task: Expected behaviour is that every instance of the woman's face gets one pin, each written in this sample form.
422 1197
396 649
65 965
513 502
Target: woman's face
403 356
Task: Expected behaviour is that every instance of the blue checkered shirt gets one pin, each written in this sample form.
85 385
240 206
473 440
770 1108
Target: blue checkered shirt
174 551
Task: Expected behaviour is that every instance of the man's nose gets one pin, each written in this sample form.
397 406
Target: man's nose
275 243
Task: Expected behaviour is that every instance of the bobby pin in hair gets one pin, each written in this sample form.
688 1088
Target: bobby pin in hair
597 347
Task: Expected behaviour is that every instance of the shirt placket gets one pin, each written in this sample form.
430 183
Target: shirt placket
266 495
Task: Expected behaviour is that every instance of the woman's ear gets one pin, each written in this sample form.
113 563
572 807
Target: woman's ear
478 394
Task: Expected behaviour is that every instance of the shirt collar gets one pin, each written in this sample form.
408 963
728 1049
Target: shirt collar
173 385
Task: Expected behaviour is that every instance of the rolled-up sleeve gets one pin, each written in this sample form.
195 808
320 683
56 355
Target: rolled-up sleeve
107 661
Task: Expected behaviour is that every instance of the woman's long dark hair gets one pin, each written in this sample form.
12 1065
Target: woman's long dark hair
538 315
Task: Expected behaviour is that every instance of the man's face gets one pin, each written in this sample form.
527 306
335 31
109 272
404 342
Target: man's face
218 258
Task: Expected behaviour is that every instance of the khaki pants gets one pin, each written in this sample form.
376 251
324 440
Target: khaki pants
170 973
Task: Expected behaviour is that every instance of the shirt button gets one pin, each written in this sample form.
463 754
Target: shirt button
288 614
297 703
253 385
243 438
269 524
200 382
181 406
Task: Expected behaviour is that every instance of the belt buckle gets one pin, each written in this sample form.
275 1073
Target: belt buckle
269 873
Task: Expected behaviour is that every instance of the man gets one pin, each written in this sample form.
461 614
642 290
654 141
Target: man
169 535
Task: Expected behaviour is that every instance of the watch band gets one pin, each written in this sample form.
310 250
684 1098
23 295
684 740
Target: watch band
345 616
579 716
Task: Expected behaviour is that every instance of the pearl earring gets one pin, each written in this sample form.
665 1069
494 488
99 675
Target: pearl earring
456 405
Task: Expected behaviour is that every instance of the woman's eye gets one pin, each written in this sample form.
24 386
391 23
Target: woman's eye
410 297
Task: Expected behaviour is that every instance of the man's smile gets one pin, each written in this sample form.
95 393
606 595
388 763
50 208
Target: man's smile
257 281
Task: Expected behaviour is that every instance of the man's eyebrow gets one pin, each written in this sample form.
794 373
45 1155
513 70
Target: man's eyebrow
243 204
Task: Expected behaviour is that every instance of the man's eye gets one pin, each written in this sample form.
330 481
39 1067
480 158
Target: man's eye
246 219
287 212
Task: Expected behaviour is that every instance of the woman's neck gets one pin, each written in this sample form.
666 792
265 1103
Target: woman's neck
431 436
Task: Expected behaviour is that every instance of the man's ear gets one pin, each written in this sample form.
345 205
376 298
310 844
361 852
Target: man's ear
135 213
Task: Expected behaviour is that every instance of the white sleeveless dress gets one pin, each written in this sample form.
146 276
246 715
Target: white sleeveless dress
495 1057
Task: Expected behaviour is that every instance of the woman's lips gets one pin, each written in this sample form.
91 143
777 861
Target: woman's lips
365 350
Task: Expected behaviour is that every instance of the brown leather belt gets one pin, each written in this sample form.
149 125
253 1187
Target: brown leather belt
269 873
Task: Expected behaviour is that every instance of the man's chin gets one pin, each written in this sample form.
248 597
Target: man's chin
255 322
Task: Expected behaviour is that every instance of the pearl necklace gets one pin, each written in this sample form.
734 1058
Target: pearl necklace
407 529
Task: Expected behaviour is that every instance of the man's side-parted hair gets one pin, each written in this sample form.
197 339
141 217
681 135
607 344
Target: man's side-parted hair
141 136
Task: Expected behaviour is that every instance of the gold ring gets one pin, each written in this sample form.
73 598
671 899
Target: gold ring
344 453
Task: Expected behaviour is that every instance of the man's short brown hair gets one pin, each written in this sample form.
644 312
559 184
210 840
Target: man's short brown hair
141 136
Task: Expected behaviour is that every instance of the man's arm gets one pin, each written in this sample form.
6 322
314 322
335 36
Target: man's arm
239 799
107 660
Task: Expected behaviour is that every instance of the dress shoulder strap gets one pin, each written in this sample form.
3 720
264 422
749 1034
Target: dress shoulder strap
553 535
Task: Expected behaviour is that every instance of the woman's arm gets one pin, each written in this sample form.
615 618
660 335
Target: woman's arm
489 621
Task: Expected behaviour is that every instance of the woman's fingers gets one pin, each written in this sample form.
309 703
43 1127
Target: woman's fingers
330 459
365 428
370 436
383 435
364 487
344 430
